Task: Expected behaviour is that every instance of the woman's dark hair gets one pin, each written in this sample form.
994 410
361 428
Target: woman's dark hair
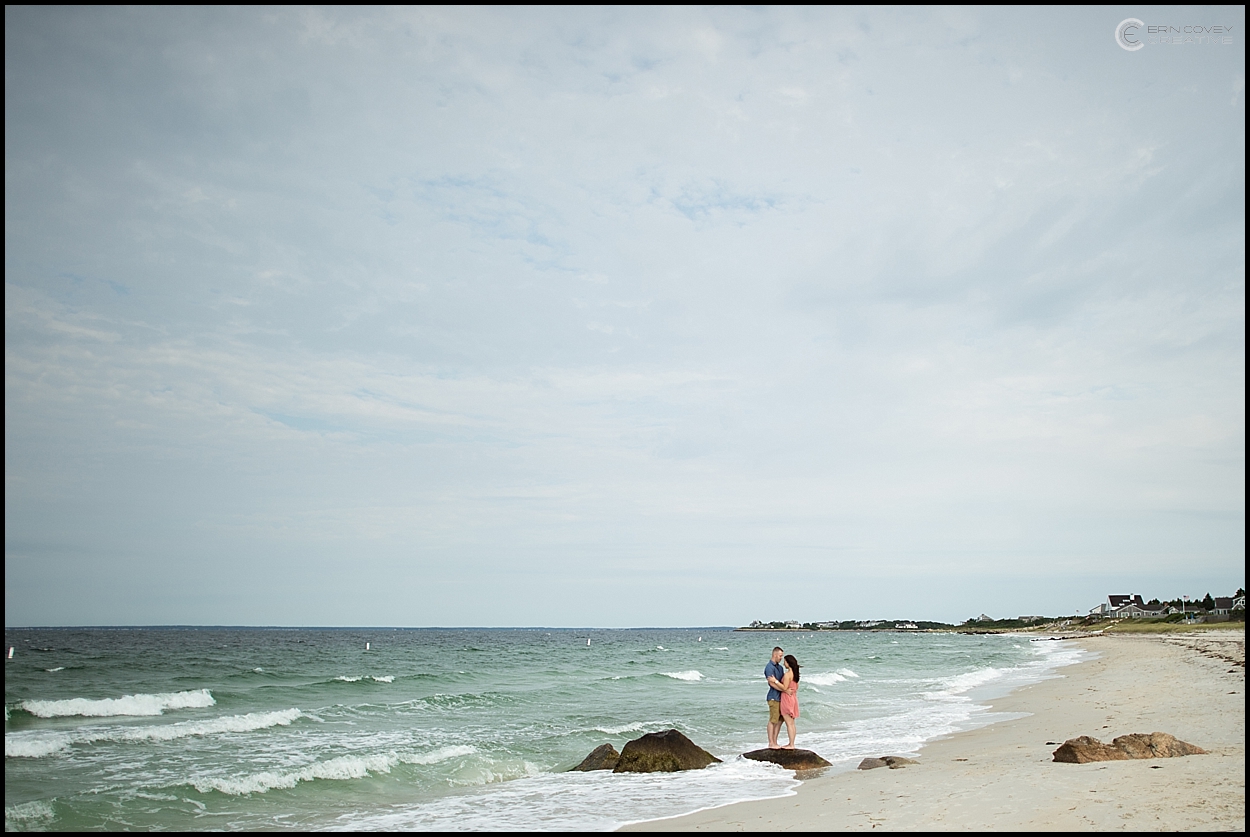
794 666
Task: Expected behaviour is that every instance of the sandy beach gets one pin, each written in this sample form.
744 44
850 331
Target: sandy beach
1001 777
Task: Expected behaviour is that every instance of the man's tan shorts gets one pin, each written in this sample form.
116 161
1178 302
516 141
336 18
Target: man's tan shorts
774 712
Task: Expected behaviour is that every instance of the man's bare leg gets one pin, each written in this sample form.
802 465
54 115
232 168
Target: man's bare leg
773 731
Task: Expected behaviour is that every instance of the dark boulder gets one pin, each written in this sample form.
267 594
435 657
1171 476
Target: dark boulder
603 757
789 759
662 752
892 762
1083 750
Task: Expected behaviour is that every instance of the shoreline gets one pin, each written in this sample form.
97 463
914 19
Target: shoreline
1001 776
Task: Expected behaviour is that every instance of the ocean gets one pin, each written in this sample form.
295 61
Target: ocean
379 728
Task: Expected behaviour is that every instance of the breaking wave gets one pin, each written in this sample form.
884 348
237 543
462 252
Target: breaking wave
336 769
684 675
41 744
136 705
634 727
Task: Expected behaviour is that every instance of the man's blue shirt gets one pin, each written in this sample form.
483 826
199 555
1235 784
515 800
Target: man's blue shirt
777 671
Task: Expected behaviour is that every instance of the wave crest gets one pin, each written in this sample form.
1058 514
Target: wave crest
684 675
134 705
40 744
340 768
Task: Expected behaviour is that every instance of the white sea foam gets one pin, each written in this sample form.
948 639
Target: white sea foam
846 672
966 682
27 746
594 801
27 813
136 705
634 727
684 675
827 679
52 670
386 678
441 754
721 648
340 768
346 679
40 743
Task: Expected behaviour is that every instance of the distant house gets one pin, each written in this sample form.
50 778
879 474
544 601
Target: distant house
758 624
907 626
794 625
1128 607
1223 606
826 624
867 624
1239 603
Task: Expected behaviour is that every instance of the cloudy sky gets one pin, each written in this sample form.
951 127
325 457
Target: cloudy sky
618 317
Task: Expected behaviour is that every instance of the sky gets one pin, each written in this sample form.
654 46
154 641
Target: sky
619 317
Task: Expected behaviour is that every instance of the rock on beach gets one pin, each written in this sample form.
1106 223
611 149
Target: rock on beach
662 752
789 759
603 757
892 762
1156 745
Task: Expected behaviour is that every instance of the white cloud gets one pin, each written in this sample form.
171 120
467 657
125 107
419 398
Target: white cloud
504 292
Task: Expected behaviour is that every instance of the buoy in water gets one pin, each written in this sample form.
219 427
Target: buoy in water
588 640
366 646
10 652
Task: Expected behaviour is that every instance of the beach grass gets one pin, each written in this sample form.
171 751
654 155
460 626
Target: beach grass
1143 627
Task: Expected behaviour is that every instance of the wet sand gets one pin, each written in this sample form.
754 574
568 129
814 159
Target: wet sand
1001 777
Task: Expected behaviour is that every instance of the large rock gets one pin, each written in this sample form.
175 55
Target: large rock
789 759
662 752
1084 749
1157 745
603 757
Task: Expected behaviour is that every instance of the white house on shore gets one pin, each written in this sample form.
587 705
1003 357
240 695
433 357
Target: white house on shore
1127 607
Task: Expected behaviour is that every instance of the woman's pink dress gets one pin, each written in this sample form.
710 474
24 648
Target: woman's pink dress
790 701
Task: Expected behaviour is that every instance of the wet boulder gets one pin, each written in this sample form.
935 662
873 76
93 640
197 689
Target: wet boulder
662 752
871 763
603 757
789 759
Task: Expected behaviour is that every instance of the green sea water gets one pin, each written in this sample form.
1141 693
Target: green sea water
371 729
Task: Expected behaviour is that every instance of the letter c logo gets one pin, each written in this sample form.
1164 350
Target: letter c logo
1126 34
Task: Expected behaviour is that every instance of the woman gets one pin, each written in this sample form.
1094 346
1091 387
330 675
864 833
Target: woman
790 696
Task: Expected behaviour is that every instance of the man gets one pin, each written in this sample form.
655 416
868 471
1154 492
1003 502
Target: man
773 672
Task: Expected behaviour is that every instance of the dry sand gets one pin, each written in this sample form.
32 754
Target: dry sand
1001 777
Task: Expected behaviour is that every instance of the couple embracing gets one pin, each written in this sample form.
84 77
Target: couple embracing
782 674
